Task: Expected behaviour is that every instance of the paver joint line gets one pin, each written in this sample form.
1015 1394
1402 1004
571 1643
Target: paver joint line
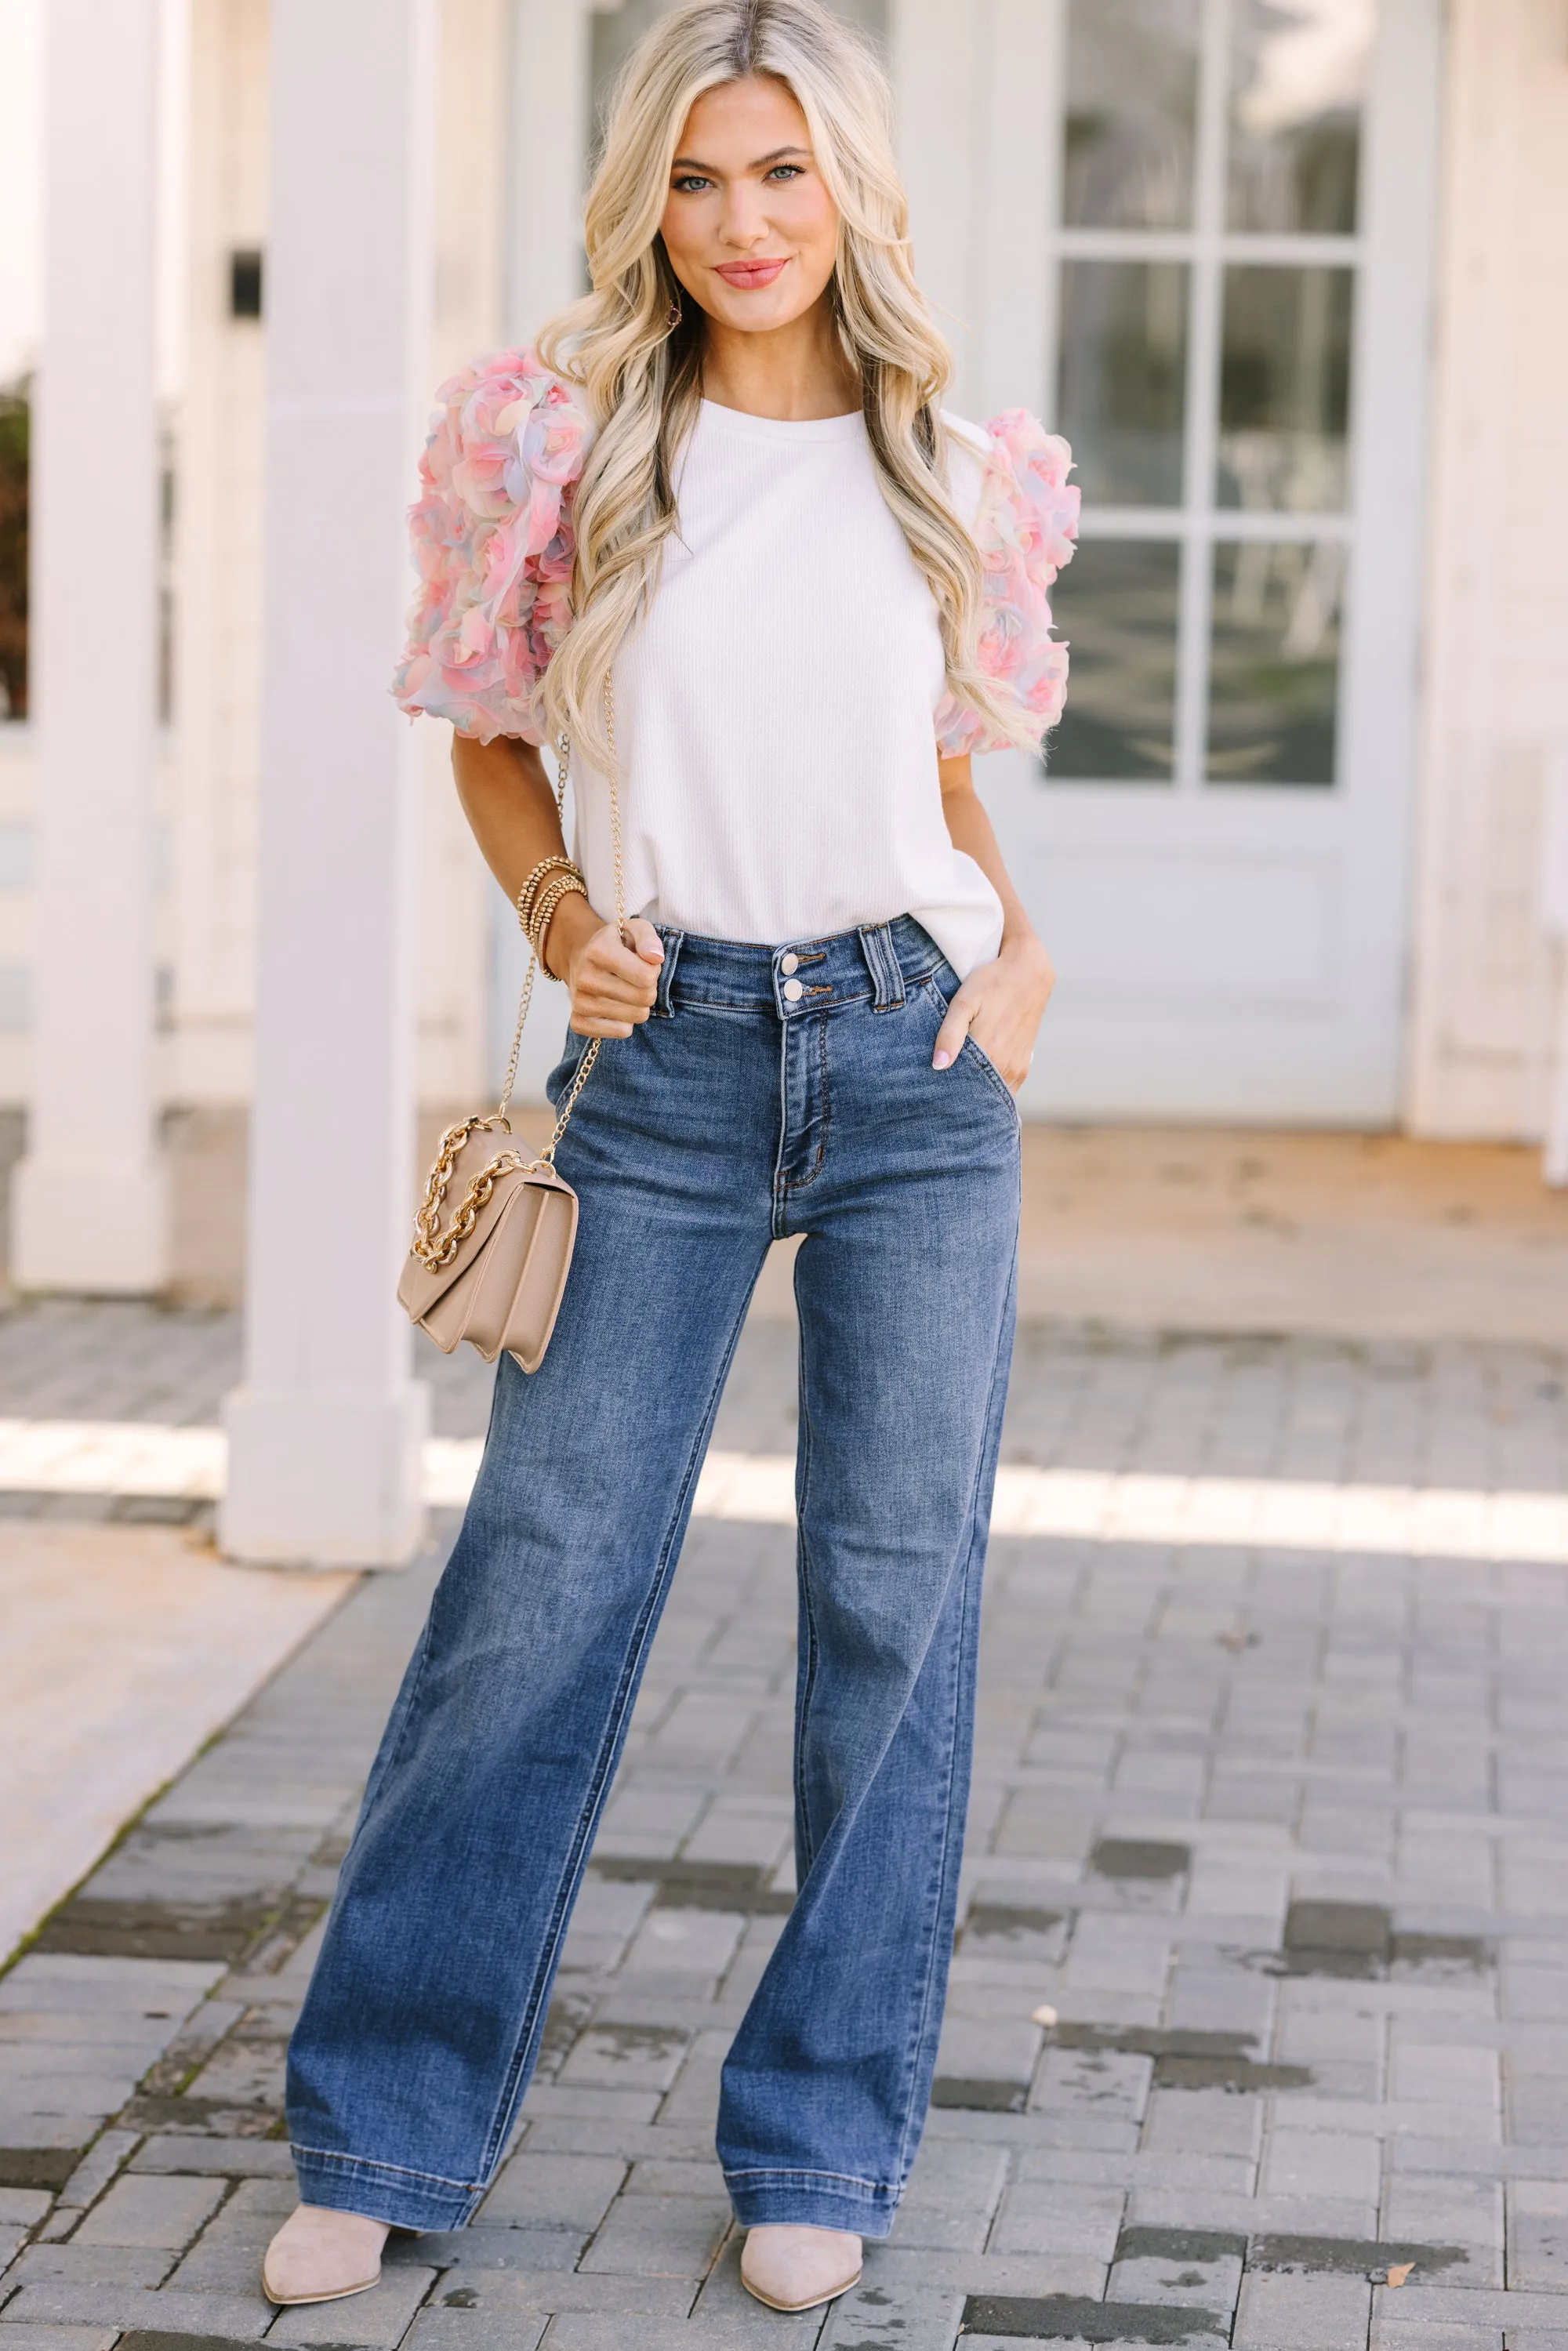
1261 1987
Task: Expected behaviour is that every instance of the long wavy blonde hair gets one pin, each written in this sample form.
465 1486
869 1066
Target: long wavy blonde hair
642 381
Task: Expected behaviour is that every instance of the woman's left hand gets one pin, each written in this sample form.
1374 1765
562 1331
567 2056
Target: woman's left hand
1001 1005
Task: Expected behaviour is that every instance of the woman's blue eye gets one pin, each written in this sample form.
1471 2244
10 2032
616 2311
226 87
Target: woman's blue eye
788 171
689 182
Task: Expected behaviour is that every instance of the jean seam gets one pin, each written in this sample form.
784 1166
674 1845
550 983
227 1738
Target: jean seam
801 1184
990 1070
939 1859
912 2123
785 2171
577 1858
373 2163
684 997
682 1002
780 1186
802 1554
763 1007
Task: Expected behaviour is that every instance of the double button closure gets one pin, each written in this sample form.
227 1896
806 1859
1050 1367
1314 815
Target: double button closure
793 993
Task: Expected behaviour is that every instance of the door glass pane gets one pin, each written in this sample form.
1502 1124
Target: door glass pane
1284 398
1132 100
1274 682
1117 606
1123 376
1298 83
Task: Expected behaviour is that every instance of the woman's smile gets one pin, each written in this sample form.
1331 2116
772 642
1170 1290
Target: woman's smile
746 275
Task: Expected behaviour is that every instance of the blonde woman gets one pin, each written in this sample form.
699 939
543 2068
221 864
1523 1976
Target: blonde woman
722 514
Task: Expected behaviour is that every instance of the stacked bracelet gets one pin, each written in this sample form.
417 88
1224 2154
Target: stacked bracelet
530 891
553 879
566 886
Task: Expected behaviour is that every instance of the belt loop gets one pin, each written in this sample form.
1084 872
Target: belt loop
882 961
673 943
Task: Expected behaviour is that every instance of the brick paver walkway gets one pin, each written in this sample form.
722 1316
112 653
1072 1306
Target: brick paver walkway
1261 1999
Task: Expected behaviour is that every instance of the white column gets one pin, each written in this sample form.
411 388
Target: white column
218 575
325 1436
89 1200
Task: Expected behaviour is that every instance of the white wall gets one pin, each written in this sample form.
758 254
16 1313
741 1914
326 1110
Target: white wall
1496 678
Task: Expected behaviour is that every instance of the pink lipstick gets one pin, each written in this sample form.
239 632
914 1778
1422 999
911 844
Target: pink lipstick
746 275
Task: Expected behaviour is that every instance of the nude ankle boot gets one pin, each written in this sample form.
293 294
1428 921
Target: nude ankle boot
796 2268
322 2256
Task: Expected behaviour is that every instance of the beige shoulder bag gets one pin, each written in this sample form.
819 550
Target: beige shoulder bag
495 1277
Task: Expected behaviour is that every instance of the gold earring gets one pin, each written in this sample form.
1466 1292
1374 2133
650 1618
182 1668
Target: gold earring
673 316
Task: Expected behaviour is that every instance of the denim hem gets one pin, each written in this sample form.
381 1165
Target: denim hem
812 2199
382 2191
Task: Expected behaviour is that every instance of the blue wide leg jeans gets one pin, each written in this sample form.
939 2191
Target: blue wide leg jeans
773 1091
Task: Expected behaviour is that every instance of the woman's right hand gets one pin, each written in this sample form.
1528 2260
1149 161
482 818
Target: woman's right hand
612 986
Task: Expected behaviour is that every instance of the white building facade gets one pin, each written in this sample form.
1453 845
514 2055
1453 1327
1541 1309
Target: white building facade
1288 275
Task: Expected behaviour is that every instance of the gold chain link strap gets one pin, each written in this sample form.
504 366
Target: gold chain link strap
434 1247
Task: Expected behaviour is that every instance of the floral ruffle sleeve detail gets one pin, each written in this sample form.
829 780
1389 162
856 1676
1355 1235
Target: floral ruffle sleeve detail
492 545
1026 526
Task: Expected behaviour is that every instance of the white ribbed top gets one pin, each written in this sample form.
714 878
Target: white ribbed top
774 713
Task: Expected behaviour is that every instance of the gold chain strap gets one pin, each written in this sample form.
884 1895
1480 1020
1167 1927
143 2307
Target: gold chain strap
563 761
434 1247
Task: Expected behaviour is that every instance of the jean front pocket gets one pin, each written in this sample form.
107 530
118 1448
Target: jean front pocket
972 1057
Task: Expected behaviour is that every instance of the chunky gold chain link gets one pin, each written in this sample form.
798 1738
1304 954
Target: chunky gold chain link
433 1247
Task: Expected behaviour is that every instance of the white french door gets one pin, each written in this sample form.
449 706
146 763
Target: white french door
1240 199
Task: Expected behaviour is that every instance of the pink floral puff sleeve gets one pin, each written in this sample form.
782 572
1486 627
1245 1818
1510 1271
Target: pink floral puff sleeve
493 546
1026 523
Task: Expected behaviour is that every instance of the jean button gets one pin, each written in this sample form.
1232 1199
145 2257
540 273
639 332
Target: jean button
786 964
793 991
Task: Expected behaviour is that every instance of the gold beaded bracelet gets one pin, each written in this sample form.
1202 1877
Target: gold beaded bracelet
527 894
564 885
544 906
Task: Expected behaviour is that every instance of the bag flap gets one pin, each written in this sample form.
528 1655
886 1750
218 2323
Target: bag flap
420 1287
